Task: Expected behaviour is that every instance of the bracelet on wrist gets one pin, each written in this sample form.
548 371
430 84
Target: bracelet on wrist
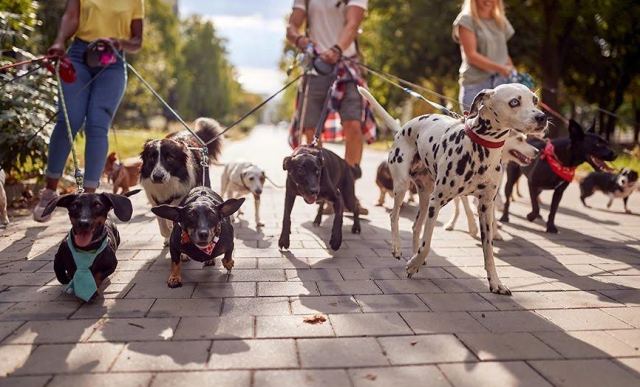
337 49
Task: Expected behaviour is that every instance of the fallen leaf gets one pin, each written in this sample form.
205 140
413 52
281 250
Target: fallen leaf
315 319
413 343
371 377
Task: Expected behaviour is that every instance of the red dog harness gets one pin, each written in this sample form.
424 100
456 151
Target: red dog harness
565 173
481 141
208 249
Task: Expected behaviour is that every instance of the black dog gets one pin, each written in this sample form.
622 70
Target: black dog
319 175
202 229
614 185
554 168
92 234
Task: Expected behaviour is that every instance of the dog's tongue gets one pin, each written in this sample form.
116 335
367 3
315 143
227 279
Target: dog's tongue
310 199
601 164
82 239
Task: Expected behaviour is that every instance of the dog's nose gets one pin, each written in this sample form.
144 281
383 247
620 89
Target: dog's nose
84 223
203 234
541 118
157 176
258 191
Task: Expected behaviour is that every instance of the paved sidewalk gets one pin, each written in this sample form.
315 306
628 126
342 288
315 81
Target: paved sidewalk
573 319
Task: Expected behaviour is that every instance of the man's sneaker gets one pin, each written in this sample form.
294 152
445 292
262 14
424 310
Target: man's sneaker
46 196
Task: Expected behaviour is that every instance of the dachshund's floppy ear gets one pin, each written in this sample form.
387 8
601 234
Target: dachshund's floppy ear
61 201
121 205
477 101
167 212
230 206
286 162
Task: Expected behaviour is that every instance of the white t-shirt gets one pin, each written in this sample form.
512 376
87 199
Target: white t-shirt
327 19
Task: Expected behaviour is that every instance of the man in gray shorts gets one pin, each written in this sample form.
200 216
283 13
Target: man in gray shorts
332 28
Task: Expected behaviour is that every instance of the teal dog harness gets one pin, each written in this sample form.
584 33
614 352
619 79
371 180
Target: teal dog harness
83 285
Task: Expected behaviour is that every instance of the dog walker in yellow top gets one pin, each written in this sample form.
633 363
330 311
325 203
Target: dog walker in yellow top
108 18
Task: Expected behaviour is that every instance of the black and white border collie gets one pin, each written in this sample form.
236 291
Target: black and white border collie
171 166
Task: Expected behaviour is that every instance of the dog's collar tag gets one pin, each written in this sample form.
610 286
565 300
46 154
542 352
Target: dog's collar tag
83 285
481 141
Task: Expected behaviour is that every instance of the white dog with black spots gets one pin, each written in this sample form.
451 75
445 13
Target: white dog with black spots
448 157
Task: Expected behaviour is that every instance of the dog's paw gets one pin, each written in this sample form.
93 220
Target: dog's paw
228 264
504 218
473 232
448 226
379 204
531 216
184 258
316 222
335 242
627 211
552 229
259 224
174 282
211 262
166 242
396 252
413 266
355 229
497 236
499 288
283 242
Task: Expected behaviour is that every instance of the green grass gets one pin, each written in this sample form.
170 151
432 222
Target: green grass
125 142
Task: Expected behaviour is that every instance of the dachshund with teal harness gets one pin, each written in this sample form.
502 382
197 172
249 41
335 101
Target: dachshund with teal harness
87 254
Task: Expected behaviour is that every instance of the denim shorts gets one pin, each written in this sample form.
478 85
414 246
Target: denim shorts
469 92
350 105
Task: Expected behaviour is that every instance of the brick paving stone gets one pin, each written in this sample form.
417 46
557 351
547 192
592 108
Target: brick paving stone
40 310
69 358
510 374
114 309
7 327
369 324
408 286
507 346
324 304
340 352
51 332
296 288
582 319
390 303
225 289
263 306
313 275
442 322
13 357
514 321
30 293
134 329
184 308
163 356
25 381
630 337
160 290
291 326
368 274
630 316
424 349
330 288
454 302
413 376
101 380
302 378
196 328
204 378
585 373
253 354
589 344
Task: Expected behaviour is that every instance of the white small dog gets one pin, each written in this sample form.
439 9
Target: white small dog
517 150
4 219
241 178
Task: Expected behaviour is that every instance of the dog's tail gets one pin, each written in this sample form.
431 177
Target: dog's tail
379 110
207 129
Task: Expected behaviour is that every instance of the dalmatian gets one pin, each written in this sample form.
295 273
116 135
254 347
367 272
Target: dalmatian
448 157
516 150
242 178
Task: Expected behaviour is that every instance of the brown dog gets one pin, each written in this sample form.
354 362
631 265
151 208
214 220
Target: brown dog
384 181
125 174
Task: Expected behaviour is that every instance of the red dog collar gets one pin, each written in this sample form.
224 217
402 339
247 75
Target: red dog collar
565 173
481 141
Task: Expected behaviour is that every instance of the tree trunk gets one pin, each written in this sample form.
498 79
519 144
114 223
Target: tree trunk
636 124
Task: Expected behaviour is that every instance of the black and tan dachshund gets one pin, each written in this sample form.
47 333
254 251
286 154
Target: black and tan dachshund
320 175
554 167
91 231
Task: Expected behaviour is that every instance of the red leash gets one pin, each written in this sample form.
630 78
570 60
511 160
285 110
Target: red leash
67 71
554 113
24 62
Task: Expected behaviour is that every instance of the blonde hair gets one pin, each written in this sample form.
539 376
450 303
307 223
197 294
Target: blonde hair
470 7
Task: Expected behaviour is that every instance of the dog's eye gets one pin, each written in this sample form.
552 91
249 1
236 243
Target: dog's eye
97 205
514 103
251 178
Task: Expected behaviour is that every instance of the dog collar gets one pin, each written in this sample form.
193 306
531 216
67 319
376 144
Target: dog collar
549 154
481 141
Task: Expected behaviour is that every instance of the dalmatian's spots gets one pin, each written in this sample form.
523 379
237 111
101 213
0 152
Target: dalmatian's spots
424 117
482 169
409 132
440 195
462 164
468 175
432 211
452 183
483 208
417 137
423 243
453 135
481 186
444 180
498 168
460 190
402 132
502 134
430 139
397 157
435 119
450 152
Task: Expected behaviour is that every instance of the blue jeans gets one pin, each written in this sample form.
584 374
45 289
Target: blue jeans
94 106
469 92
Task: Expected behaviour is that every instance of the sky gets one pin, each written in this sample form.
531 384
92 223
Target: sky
254 30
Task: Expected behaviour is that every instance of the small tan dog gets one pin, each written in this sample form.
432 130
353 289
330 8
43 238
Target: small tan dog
124 174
